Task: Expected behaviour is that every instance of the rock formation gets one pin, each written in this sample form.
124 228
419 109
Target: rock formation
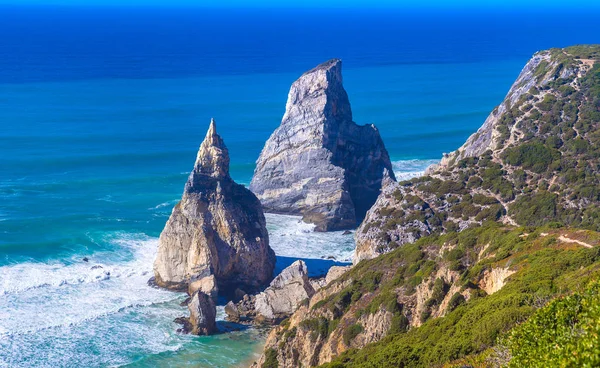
319 163
283 296
285 293
218 228
203 314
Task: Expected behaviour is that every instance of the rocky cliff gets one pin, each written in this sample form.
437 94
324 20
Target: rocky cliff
534 160
319 163
218 228
434 301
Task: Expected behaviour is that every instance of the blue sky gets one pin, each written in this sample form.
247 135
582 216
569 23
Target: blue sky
511 4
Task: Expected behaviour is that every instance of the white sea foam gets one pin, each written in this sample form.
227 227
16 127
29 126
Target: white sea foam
71 313
289 236
408 169
63 313
165 204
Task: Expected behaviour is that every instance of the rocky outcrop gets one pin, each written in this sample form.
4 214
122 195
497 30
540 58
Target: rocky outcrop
283 296
203 314
319 163
217 229
531 162
285 293
206 285
335 272
494 279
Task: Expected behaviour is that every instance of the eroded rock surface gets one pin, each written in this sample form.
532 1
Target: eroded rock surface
218 228
203 314
319 163
283 296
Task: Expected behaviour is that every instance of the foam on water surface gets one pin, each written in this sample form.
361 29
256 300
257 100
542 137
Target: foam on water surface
64 313
408 169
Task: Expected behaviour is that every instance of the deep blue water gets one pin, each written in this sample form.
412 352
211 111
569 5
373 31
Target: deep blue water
102 111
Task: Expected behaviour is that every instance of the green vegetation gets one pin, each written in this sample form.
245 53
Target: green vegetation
565 333
535 209
319 327
351 332
536 157
270 359
545 269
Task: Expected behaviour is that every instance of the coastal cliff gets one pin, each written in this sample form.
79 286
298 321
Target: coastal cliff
449 263
533 161
435 301
217 229
318 163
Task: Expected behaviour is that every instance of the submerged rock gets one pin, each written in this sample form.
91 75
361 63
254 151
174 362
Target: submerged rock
319 163
218 228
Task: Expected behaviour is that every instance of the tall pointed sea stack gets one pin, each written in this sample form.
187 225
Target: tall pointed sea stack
319 163
218 228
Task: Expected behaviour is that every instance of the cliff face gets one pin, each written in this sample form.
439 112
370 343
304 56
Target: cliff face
534 160
218 228
319 163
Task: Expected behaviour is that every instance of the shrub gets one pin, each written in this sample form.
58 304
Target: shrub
565 333
270 359
536 157
456 300
536 209
351 332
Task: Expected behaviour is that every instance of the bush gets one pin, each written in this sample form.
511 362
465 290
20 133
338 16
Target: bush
536 209
456 300
536 157
270 359
565 333
351 332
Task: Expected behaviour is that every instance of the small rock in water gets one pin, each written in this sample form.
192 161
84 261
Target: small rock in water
331 257
95 267
86 259
347 232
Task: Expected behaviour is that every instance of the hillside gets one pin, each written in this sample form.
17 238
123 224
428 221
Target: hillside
535 160
483 280
449 263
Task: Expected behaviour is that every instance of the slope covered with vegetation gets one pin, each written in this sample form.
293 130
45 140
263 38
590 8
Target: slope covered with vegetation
545 267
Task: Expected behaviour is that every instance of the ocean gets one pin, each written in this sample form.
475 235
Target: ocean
102 111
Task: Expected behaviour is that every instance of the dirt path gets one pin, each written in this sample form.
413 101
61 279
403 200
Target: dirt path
569 240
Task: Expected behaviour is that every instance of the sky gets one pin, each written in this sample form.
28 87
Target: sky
508 4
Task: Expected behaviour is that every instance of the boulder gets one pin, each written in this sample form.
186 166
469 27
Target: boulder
284 295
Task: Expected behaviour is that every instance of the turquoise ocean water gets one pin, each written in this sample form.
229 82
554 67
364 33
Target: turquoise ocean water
102 113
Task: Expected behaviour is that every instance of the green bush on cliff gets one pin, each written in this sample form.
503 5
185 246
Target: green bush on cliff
536 156
270 359
565 333
536 209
